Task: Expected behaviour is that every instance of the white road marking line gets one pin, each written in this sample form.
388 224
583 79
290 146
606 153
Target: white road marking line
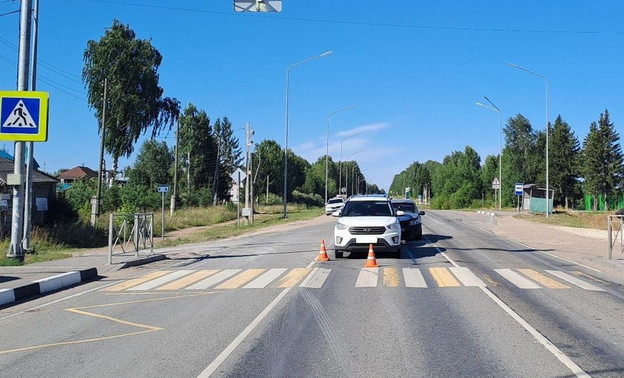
213 280
368 277
413 278
161 280
214 365
265 279
575 281
516 279
466 276
571 262
316 279
552 348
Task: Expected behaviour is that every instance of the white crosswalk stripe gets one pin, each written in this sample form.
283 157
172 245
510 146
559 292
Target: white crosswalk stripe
265 279
466 276
368 277
516 279
414 278
316 279
162 280
213 280
575 281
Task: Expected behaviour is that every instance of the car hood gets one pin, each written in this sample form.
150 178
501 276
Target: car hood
367 221
406 217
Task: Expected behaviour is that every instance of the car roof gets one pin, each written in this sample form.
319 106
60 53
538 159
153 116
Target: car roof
369 197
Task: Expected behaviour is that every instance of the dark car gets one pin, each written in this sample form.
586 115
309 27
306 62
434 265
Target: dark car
411 221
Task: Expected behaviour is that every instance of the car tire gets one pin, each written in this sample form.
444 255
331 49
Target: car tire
338 253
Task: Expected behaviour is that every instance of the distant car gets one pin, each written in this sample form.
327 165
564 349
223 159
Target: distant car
367 220
411 220
334 204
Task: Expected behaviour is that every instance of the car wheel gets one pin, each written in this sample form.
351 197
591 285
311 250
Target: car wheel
338 253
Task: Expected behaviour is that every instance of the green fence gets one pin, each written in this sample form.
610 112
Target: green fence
615 202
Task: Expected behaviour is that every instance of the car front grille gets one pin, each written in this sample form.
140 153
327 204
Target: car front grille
367 230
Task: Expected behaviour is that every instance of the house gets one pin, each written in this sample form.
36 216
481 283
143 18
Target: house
76 173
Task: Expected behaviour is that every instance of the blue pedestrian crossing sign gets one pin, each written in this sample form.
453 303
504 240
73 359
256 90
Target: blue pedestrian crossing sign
24 116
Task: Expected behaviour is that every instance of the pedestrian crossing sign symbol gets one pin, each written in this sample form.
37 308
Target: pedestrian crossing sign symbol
24 116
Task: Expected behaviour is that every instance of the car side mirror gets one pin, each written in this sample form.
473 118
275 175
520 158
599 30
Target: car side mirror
421 212
400 213
336 213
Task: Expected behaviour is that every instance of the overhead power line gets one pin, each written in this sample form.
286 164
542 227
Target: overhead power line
361 23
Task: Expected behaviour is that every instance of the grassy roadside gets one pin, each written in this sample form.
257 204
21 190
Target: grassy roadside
200 224
596 220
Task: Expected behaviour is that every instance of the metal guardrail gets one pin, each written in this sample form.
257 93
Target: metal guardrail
134 230
614 225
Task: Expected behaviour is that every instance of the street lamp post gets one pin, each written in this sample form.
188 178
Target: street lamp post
547 126
500 149
286 126
327 146
340 162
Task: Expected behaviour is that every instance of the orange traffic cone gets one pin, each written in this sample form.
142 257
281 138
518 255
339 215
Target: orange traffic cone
322 256
371 262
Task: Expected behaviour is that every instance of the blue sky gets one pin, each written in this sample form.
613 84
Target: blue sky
414 69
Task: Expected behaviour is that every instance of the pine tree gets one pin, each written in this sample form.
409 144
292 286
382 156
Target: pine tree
564 161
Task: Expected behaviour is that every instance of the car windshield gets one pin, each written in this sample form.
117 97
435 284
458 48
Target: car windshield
367 208
406 207
335 200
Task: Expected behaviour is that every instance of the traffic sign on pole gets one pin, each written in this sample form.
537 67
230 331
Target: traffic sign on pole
518 188
495 183
24 116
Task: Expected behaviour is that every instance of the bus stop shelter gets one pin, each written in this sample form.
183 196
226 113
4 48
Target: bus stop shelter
534 199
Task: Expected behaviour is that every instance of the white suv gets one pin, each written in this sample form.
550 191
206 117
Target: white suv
366 220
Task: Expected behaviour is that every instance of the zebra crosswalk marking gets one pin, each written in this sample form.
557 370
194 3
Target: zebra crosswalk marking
293 277
213 280
575 281
467 277
544 280
265 279
367 277
161 280
443 277
413 278
188 280
391 277
516 279
137 281
316 279
241 279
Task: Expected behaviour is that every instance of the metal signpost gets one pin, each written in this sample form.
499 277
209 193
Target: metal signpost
518 189
496 186
162 189
238 176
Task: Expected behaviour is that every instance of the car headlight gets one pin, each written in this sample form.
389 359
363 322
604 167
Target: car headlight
340 226
394 226
413 222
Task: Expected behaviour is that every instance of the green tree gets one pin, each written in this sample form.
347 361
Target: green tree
520 156
134 98
229 157
153 165
271 157
564 161
603 159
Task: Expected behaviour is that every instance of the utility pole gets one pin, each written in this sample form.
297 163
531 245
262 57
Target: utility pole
215 180
95 212
31 145
175 171
248 142
15 248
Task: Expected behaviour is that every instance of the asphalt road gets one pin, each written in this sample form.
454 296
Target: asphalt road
460 302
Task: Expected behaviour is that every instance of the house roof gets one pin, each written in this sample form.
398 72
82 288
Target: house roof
78 173
6 167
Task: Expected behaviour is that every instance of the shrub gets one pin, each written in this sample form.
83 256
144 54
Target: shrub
273 199
308 199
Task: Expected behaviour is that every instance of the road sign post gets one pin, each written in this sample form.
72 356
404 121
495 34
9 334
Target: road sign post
238 176
162 189
518 190
496 186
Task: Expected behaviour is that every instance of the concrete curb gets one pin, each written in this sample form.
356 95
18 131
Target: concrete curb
146 260
46 285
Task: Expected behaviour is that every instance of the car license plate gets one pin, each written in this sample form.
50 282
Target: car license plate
366 239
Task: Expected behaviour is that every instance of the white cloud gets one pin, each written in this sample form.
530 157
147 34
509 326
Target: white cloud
362 129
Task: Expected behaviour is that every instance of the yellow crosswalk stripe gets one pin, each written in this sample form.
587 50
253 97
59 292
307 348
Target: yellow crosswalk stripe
241 279
443 277
391 277
188 280
293 277
137 281
544 280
